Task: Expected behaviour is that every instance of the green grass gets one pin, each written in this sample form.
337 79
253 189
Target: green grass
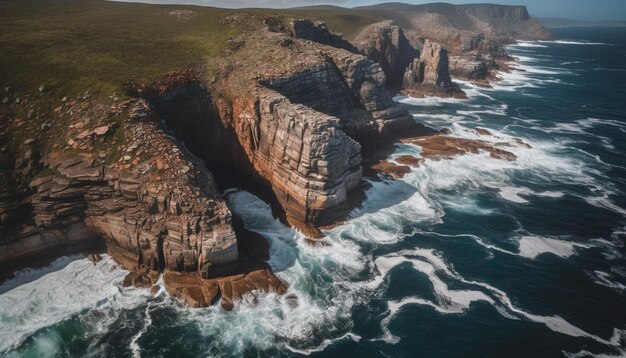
98 46
93 45
75 46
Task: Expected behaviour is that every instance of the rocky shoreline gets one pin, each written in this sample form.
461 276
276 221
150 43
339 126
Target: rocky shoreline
142 175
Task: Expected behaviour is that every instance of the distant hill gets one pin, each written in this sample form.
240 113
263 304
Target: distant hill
561 22
437 20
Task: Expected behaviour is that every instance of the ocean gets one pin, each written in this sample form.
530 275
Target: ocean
472 256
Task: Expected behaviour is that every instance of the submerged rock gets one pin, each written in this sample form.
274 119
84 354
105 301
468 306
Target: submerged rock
446 147
94 257
198 292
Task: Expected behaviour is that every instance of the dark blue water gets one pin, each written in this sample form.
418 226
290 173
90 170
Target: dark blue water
472 256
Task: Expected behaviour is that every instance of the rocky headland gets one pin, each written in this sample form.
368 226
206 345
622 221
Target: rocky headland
288 110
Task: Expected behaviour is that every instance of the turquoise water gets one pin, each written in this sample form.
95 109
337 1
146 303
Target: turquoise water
473 256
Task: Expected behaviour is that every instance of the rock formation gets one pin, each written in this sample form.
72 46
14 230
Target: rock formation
474 35
306 29
467 68
299 125
429 74
156 207
289 113
386 44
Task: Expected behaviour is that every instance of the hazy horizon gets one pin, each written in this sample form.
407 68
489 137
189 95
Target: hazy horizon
600 10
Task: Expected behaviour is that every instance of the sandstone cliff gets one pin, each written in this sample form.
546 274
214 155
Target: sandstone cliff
429 73
289 110
301 123
156 206
474 35
134 177
386 44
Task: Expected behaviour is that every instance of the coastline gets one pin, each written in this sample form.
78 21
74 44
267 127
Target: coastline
490 213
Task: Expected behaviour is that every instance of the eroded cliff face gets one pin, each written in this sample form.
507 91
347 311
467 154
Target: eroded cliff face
510 21
386 44
474 35
156 208
288 115
429 74
317 32
302 124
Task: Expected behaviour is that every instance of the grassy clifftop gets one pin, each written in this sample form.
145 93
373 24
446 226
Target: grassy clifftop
95 45
74 46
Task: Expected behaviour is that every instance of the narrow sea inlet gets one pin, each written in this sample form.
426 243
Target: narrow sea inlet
470 256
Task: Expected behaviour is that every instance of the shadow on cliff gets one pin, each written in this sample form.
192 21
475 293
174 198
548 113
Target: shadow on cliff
184 106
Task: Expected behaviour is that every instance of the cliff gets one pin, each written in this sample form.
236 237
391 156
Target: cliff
429 74
474 35
300 124
386 44
135 176
282 107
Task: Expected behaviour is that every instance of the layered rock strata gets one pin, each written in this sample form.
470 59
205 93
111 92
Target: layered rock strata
157 207
429 74
386 44
289 114
302 123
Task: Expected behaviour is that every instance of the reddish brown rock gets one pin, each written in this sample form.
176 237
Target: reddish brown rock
198 292
446 147
428 75
391 169
482 131
141 278
409 160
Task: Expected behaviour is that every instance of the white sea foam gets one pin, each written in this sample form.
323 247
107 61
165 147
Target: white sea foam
606 279
453 301
570 63
27 275
593 122
426 101
603 201
527 44
61 294
391 208
587 354
570 42
325 344
513 194
134 346
428 263
320 277
533 246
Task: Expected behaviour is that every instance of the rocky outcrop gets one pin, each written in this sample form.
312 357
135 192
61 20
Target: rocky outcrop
475 35
510 21
156 207
446 147
386 44
299 126
429 74
318 32
467 68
